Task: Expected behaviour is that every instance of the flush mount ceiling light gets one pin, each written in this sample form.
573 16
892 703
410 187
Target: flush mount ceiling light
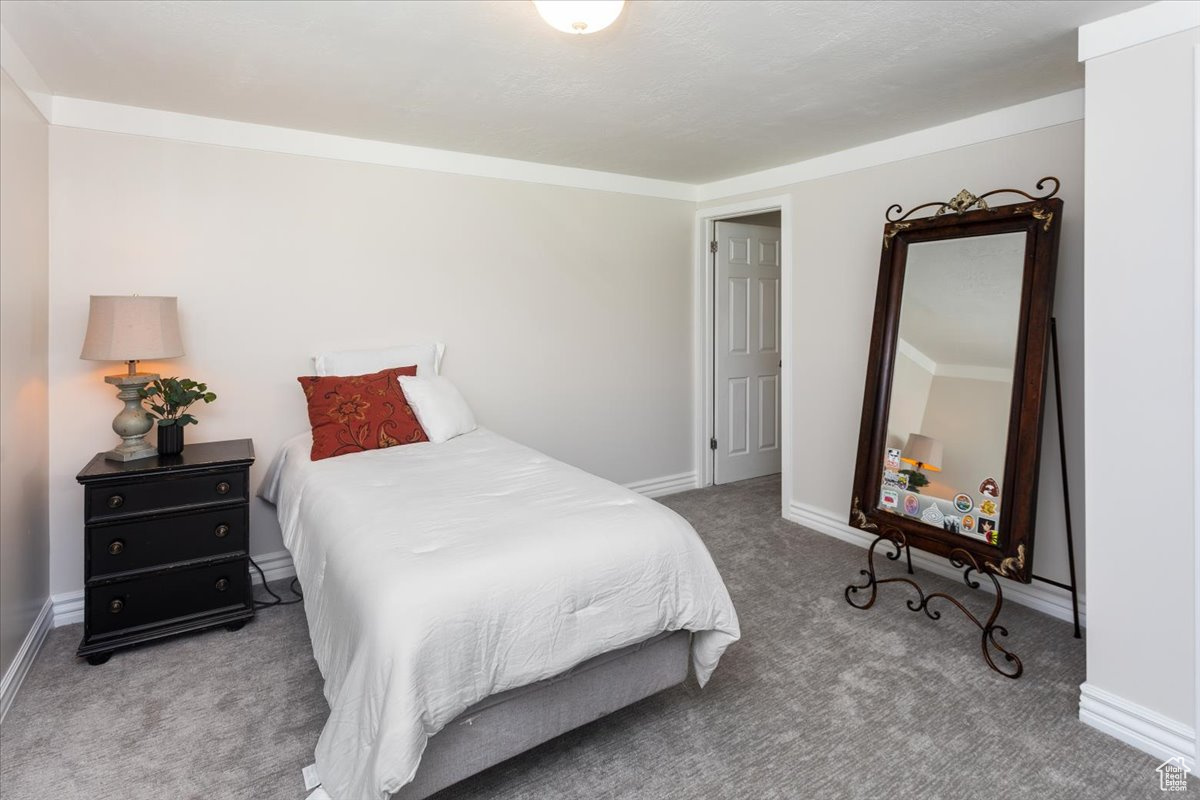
579 16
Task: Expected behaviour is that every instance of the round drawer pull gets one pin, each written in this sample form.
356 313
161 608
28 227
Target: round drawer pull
116 501
116 606
116 547
221 531
223 487
221 585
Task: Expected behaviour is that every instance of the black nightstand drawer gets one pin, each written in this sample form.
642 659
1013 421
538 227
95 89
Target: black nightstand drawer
142 544
114 500
166 545
164 598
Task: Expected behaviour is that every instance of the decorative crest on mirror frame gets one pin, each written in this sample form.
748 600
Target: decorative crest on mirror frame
966 215
964 201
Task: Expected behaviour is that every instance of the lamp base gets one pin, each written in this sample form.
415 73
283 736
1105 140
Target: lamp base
120 453
133 423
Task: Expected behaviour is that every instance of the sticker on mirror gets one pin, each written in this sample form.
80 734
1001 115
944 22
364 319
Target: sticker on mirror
889 498
968 523
891 478
987 528
989 488
963 503
933 515
988 507
950 523
892 460
912 506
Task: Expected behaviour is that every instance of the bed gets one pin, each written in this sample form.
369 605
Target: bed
470 599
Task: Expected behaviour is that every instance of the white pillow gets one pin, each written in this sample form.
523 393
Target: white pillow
426 357
439 407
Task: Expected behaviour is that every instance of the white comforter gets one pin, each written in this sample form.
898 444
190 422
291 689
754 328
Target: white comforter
436 575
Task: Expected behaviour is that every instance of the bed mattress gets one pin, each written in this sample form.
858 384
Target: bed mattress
438 575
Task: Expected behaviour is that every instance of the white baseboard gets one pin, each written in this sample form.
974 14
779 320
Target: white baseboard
1043 597
19 668
669 484
275 566
68 608
1137 726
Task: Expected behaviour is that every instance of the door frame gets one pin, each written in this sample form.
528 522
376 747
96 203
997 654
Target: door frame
704 335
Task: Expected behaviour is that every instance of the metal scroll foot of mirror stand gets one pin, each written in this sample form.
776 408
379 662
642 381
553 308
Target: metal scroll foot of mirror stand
961 559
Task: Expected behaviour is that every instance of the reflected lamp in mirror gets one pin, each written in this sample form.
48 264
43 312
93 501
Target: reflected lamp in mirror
923 453
130 329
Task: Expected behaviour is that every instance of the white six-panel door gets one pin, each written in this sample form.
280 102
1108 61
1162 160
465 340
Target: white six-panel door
746 358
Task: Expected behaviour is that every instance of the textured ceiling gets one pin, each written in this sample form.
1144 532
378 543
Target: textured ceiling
688 91
962 299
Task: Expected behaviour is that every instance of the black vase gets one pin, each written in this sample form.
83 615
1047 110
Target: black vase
170 440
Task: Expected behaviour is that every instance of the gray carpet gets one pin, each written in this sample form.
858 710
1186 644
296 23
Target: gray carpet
818 700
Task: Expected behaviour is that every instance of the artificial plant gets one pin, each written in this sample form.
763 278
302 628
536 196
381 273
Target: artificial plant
170 399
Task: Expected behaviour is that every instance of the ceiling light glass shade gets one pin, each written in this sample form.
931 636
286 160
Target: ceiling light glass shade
579 16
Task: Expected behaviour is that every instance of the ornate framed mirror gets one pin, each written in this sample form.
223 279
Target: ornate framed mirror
949 445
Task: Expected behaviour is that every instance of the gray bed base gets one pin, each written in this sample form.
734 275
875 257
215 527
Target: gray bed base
505 724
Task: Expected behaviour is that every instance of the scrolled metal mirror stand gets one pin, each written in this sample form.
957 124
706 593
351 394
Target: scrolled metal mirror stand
1010 665
959 559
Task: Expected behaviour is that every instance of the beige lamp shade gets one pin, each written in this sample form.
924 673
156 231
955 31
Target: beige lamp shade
132 328
923 452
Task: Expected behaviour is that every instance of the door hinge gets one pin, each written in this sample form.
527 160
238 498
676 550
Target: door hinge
712 246
712 444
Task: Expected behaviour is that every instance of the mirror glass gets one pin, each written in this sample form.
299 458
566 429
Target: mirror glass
947 426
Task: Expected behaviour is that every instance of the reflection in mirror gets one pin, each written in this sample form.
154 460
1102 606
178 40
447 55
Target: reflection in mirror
947 426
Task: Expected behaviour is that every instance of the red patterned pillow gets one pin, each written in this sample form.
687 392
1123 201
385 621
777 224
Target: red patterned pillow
353 413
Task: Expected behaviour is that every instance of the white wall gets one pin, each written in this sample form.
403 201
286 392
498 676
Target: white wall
1141 217
566 312
24 533
961 410
910 393
838 226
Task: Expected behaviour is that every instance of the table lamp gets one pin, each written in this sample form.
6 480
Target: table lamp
923 452
129 329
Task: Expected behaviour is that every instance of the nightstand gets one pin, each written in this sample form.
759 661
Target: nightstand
166 545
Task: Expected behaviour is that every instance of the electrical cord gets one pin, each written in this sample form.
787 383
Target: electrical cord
279 601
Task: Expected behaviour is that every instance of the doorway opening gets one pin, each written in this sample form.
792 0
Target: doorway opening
743 342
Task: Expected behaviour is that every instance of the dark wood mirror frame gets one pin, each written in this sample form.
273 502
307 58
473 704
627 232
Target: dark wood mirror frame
1039 218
